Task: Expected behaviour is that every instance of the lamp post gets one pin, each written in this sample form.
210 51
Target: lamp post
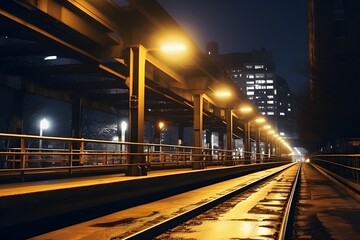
161 128
224 93
44 124
247 111
123 127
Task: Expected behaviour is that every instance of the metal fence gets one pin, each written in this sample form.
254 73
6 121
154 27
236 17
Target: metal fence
19 156
346 166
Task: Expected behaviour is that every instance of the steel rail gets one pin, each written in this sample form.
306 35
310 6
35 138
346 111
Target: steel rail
285 231
172 222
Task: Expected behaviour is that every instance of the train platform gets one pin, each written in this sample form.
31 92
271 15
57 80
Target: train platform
123 223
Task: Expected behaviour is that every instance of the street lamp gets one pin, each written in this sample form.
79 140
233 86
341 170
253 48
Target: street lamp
44 124
123 127
161 128
123 130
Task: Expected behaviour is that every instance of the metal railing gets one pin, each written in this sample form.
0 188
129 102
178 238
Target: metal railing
72 155
346 166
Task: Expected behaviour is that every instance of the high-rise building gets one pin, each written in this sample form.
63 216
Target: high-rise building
254 73
334 57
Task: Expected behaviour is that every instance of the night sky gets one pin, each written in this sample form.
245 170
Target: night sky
241 25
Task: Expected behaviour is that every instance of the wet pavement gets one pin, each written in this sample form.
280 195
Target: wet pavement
325 209
255 214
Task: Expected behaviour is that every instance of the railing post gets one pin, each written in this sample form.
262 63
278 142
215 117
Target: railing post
70 156
23 156
82 157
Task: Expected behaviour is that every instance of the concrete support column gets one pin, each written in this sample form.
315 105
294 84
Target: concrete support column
247 143
229 136
136 63
258 138
198 130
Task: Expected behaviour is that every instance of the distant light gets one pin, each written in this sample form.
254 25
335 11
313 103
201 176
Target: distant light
271 131
115 138
246 109
44 123
267 127
260 120
124 126
50 58
161 125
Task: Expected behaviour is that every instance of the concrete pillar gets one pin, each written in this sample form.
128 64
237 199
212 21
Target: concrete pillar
247 143
198 130
229 136
136 63
258 150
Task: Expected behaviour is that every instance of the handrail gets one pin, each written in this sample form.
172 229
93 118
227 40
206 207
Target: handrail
346 166
73 154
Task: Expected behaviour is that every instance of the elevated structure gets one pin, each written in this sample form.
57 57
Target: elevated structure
107 57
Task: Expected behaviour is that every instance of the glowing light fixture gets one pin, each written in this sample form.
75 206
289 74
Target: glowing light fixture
246 109
260 120
222 93
50 58
173 47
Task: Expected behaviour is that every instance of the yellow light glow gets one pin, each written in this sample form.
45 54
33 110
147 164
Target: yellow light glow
246 109
173 47
260 120
161 125
223 93
266 127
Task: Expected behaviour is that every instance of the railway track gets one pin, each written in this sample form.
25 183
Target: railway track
261 209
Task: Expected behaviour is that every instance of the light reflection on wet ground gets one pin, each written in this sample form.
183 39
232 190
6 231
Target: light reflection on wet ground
256 216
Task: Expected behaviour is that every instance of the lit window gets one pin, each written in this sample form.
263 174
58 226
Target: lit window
260 81
270 113
282 114
259 66
259 75
270 96
270 102
250 76
249 66
269 81
250 82
250 93
263 113
270 87
289 109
